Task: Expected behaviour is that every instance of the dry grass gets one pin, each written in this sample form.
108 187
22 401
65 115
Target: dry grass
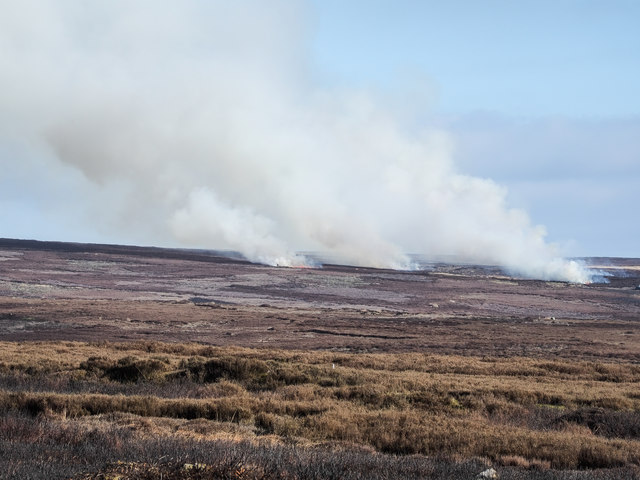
518 413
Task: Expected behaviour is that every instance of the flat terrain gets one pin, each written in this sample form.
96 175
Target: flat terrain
57 291
141 363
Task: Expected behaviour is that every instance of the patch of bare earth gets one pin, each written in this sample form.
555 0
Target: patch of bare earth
54 291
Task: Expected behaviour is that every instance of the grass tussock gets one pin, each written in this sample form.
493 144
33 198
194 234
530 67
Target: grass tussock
520 414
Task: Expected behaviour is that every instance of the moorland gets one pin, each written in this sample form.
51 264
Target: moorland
132 362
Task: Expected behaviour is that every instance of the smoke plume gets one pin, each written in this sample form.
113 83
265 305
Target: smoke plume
197 123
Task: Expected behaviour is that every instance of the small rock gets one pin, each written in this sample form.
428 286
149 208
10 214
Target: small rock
489 473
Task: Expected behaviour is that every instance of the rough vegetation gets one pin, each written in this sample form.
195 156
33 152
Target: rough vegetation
146 409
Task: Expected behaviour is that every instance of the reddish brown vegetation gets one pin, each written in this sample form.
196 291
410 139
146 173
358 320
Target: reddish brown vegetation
526 375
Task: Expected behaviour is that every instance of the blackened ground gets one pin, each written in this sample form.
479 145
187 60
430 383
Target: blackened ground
62 291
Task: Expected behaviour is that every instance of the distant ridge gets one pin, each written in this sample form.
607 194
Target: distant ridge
424 263
213 256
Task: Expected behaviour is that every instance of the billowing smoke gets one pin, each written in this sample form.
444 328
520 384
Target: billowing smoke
198 123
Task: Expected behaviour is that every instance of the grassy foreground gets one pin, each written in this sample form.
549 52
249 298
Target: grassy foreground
151 410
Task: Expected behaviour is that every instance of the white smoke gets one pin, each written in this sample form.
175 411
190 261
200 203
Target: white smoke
198 122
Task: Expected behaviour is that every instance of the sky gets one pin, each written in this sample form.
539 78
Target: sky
497 131
541 96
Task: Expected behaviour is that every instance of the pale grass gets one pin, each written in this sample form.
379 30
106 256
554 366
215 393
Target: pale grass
458 406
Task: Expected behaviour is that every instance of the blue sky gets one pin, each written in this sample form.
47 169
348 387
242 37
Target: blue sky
147 122
541 96
566 57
